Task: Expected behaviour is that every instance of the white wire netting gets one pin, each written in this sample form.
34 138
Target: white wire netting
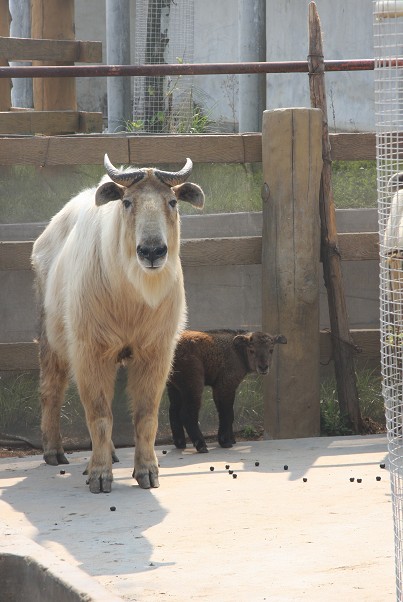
388 46
164 33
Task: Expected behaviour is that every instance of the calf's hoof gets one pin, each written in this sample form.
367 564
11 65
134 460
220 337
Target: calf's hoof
54 458
225 443
202 448
179 444
146 478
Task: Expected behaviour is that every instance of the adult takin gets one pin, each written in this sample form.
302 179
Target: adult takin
220 359
110 289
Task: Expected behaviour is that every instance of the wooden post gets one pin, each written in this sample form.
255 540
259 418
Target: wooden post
292 163
54 20
5 84
343 345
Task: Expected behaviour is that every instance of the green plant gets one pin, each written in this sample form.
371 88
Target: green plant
369 387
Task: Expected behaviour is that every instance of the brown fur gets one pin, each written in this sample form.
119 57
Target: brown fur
220 359
105 300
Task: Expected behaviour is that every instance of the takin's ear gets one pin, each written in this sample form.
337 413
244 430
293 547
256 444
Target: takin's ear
191 193
242 340
279 338
108 192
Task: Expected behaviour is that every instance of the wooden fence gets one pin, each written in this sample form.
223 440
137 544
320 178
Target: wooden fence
54 99
143 150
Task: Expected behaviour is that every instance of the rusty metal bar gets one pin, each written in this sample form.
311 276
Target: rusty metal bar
190 69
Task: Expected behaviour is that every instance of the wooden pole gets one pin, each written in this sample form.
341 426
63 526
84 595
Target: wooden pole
5 84
343 345
292 162
54 20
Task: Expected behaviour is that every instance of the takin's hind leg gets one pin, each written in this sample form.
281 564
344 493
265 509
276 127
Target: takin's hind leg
53 383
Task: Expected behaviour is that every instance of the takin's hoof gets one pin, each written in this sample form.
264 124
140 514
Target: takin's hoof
100 482
54 458
146 478
114 458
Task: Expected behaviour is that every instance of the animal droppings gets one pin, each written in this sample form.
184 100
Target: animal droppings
352 479
164 451
382 465
304 479
62 472
230 471
359 480
285 467
378 478
211 468
234 476
256 463
113 508
226 466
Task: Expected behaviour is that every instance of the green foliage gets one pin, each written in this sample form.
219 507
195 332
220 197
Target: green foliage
354 184
371 402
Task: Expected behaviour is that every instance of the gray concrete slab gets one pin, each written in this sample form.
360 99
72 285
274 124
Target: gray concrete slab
203 535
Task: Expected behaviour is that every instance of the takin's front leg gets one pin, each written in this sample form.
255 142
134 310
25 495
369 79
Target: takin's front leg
95 381
53 383
145 385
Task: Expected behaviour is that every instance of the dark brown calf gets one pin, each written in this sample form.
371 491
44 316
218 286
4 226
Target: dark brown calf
220 359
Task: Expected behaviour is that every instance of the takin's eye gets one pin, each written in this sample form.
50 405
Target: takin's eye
172 203
126 203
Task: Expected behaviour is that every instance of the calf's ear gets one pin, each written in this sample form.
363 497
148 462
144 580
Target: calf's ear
191 193
108 192
280 339
241 340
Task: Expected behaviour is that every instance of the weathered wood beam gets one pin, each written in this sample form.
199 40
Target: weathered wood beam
341 338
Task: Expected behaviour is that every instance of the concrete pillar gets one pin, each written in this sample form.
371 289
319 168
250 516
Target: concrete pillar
118 53
252 47
21 93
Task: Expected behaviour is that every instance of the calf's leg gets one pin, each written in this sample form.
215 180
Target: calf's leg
224 401
53 383
175 419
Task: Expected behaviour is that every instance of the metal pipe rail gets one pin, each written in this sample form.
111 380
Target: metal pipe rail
191 69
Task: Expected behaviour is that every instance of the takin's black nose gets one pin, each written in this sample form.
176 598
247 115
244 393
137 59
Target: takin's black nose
151 253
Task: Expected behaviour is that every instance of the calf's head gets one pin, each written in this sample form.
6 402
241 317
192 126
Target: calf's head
258 348
148 203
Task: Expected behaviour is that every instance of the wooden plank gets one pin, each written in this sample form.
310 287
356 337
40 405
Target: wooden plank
366 340
359 246
49 122
19 356
28 49
353 147
144 150
15 255
292 163
246 250
218 148
24 356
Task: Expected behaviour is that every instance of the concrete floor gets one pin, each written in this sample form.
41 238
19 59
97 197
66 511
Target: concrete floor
203 535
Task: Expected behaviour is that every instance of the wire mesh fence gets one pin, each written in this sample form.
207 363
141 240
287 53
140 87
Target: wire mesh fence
388 44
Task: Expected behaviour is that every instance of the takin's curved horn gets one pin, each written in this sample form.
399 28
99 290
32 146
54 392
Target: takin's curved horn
172 178
124 178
